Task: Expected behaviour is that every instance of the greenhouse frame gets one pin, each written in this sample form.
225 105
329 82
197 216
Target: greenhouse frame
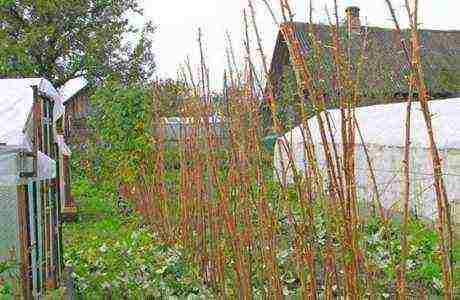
32 188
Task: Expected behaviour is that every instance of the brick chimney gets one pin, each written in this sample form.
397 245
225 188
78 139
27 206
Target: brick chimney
353 21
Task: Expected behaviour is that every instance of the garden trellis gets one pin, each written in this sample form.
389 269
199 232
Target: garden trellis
382 128
31 184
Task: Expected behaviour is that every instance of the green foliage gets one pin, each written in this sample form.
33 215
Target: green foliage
6 3
125 121
170 99
7 266
8 275
61 39
117 256
120 122
449 80
286 104
380 246
383 248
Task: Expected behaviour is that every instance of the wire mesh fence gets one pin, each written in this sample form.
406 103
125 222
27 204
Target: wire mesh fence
9 230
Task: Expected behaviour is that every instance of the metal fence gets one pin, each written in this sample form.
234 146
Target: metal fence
9 231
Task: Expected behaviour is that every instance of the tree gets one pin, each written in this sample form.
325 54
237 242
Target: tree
62 39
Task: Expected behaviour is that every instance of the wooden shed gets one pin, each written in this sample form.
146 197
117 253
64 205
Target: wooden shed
76 102
78 109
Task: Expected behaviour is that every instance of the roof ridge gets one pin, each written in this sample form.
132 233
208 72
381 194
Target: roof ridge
302 24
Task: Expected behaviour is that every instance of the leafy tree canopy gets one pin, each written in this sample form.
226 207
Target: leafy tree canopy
62 39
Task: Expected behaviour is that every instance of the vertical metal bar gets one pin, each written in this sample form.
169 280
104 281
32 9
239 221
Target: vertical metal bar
35 144
44 201
51 278
49 282
40 194
36 219
24 212
24 238
54 195
58 228
60 194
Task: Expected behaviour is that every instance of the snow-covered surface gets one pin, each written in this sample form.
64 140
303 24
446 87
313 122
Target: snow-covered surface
383 127
72 87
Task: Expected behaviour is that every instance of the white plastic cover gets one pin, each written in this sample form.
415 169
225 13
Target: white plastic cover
16 102
72 87
65 150
383 128
47 167
213 119
11 167
384 124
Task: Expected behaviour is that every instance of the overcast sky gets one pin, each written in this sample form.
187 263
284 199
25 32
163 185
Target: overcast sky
178 22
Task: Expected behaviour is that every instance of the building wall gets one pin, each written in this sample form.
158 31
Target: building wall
78 110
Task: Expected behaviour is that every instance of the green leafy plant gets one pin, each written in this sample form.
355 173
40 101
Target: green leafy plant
8 279
118 256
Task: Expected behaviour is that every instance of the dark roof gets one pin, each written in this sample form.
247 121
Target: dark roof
386 68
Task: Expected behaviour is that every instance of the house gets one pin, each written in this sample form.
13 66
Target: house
385 70
32 183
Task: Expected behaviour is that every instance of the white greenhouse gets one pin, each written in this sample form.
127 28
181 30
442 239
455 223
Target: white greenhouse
383 128
31 181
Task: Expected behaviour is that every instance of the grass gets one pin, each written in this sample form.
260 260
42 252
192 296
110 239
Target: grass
457 260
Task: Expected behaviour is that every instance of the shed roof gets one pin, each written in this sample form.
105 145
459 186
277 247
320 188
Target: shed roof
386 67
72 87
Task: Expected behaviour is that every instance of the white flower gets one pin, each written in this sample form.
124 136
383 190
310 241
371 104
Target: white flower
410 264
103 248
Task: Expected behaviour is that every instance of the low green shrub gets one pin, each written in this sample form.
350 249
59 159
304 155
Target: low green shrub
114 255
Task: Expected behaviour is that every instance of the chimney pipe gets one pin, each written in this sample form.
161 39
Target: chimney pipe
353 20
